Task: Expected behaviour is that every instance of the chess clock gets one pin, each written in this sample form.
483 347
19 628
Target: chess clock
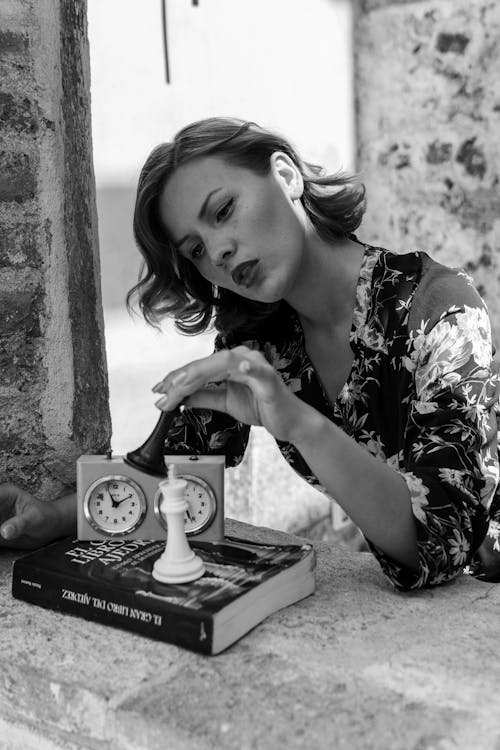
118 497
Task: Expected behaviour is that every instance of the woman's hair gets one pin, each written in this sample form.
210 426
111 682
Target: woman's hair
170 285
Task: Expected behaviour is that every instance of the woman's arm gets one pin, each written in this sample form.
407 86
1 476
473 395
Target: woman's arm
373 495
376 497
449 459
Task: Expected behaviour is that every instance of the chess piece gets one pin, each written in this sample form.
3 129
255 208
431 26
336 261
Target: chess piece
178 563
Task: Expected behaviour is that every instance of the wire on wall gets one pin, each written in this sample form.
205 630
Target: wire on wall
165 41
195 4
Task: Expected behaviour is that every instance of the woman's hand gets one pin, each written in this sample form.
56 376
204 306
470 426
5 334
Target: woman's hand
239 382
27 523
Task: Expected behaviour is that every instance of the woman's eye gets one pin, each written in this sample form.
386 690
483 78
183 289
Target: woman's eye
224 212
197 252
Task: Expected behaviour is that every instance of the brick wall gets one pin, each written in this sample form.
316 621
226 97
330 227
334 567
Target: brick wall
53 384
428 121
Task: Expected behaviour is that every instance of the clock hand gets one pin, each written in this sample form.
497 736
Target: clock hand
114 504
119 502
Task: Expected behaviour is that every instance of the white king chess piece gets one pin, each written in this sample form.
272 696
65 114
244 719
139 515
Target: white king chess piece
178 563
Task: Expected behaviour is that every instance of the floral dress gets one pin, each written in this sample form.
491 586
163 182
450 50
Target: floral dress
422 395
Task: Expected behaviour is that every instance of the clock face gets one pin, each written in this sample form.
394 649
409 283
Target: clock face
201 501
114 505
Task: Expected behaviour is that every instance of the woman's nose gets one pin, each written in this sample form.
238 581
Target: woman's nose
222 254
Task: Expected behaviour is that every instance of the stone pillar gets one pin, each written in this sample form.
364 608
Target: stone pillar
427 79
53 380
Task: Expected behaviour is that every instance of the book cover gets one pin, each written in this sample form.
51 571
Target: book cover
110 581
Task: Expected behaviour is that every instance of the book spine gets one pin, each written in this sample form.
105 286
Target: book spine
111 606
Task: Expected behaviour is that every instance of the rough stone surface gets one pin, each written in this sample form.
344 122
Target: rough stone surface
14 44
428 118
18 177
20 246
80 225
355 666
366 6
53 386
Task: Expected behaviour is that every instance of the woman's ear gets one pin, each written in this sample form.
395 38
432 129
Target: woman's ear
288 174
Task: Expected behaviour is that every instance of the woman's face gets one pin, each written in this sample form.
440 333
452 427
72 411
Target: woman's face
243 232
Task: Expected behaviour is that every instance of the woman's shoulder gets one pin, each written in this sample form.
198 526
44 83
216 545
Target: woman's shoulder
441 290
433 288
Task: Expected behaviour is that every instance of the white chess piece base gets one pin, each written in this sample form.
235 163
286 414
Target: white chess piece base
178 571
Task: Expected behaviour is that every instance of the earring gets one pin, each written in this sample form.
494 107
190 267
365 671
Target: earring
215 291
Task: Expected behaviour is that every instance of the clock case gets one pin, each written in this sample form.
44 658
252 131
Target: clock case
146 466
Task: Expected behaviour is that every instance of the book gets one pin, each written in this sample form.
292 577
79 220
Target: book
110 582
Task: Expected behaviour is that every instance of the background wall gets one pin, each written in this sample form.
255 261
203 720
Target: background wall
428 120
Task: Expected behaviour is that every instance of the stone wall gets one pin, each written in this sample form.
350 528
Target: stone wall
53 384
428 118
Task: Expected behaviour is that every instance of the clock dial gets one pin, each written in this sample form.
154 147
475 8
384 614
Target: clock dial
202 505
114 505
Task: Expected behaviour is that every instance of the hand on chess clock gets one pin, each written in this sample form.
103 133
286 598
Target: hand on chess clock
248 388
27 523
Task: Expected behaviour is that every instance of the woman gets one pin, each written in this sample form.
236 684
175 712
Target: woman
372 370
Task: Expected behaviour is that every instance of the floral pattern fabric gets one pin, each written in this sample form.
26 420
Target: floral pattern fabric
422 395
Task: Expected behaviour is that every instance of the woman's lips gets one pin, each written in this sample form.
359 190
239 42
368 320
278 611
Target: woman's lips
244 273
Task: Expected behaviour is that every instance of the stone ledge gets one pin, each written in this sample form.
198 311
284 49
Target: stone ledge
356 665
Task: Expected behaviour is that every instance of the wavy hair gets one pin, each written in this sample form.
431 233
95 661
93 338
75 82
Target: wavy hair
169 284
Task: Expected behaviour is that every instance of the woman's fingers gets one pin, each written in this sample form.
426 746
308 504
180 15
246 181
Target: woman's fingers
9 494
239 382
241 364
259 376
28 527
177 377
209 398
13 528
212 368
